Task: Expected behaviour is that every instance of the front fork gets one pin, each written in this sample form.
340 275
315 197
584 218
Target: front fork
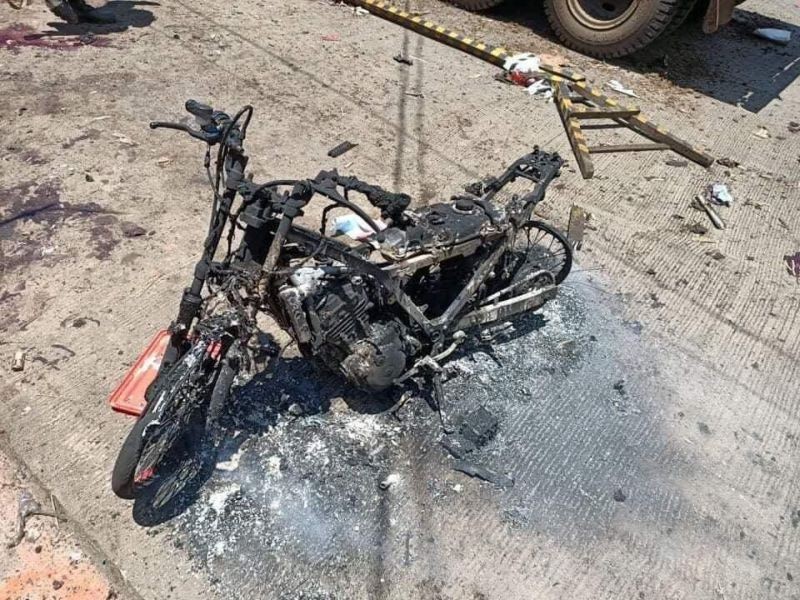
254 248
192 301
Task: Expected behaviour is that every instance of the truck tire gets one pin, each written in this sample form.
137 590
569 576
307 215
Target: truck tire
476 4
687 8
610 28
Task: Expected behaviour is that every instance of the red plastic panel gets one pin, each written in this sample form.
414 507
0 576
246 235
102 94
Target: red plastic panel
128 397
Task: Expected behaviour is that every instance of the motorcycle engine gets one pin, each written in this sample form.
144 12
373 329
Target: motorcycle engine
332 316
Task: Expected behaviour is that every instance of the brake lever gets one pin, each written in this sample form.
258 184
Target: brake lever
200 135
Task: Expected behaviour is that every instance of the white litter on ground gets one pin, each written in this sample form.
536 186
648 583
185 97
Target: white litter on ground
718 193
779 36
619 87
523 63
540 87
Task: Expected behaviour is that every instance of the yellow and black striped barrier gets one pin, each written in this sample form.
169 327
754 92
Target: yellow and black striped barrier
643 126
496 55
602 107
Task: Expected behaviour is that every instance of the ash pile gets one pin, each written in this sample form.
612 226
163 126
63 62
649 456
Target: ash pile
324 491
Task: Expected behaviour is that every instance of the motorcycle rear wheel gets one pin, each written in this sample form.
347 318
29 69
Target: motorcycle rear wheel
541 247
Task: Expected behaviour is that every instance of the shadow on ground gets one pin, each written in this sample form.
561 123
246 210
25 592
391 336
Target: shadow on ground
128 13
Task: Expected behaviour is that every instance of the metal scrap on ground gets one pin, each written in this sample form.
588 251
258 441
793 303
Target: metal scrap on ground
577 226
703 204
340 149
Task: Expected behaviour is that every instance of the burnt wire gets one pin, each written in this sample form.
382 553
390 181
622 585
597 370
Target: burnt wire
218 180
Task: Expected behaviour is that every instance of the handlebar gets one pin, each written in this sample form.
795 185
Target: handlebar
201 111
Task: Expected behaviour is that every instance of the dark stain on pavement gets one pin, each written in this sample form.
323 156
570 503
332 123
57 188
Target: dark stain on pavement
31 215
20 36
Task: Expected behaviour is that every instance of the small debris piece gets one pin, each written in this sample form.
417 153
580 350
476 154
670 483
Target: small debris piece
698 228
779 36
476 429
18 364
163 161
618 87
337 151
295 409
389 481
354 226
232 463
332 37
718 193
577 226
716 255
655 303
89 178
762 132
793 264
360 12
704 429
123 139
794 127
483 474
28 507
132 230
479 427
540 87
57 584
619 496
403 60
676 162
701 203
525 70
728 162
88 38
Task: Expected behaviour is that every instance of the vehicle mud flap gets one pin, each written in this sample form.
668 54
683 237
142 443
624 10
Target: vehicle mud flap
129 396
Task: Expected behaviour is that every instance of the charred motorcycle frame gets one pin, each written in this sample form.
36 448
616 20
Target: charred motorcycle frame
377 310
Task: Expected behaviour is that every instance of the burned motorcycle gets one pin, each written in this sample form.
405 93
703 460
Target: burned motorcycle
379 309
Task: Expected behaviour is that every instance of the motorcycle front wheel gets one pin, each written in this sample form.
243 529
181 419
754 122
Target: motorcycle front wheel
163 451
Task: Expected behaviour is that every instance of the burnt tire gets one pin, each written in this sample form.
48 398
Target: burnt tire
476 4
545 248
125 466
610 28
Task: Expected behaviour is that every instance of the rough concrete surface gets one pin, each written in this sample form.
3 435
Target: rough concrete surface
42 558
648 417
